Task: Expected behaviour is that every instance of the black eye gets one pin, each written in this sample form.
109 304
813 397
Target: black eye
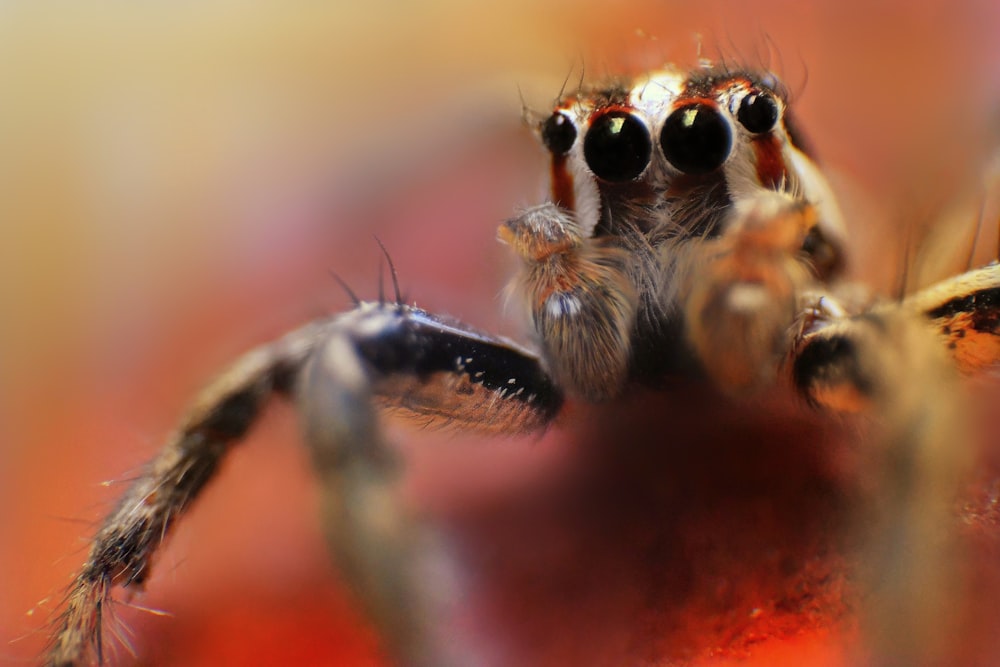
696 139
617 146
558 133
758 112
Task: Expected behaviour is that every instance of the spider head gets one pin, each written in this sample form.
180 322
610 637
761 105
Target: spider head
673 151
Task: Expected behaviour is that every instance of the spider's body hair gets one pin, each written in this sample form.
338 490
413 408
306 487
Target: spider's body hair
648 309
649 260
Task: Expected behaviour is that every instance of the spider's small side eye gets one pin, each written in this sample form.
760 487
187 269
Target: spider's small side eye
758 112
696 139
558 133
617 146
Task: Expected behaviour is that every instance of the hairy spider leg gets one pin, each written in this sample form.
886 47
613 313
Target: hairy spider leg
899 362
342 370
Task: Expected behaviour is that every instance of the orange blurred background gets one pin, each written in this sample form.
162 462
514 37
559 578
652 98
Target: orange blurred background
177 179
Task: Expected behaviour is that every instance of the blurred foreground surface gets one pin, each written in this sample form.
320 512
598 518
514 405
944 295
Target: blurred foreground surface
175 183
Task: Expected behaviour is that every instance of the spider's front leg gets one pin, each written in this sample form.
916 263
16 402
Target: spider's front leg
123 549
893 364
402 358
342 371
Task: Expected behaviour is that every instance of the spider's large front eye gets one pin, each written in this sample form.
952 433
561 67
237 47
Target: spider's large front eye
758 112
558 133
696 139
617 146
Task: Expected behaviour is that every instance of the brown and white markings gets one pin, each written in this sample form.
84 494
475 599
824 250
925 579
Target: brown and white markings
687 238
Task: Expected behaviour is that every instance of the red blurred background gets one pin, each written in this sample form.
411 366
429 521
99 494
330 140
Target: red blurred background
177 180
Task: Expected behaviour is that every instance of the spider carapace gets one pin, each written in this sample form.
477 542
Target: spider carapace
689 234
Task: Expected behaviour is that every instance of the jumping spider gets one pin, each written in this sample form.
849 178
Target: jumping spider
688 233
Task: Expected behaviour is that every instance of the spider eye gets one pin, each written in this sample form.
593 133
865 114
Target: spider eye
617 147
696 139
558 133
758 112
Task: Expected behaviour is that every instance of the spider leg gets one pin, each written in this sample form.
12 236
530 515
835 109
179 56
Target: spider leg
122 551
888 364
402 358
965 312
342 369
